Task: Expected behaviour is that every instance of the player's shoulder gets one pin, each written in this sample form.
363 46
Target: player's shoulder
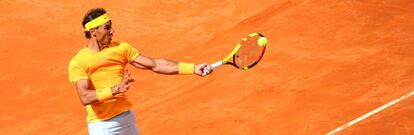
81 53
121 45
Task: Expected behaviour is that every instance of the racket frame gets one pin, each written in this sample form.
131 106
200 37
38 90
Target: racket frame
232 54
227 59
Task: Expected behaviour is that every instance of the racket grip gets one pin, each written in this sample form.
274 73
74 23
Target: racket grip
207 70
217 64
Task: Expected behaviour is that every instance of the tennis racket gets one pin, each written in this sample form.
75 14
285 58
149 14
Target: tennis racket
245 55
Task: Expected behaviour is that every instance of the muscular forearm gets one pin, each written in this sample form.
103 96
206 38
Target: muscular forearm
88 97
165 66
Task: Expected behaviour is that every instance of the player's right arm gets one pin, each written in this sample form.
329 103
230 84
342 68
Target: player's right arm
86 90
87 94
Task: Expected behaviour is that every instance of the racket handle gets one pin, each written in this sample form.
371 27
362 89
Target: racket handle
207 70
217 64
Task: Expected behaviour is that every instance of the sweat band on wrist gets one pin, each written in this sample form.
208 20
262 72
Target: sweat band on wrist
104 94
185 68
97 22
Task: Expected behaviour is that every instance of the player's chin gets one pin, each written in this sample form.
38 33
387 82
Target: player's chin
108 41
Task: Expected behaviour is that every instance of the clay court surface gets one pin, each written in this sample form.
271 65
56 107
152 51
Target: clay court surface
327 63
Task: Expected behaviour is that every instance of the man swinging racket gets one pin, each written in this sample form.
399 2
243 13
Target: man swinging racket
100 76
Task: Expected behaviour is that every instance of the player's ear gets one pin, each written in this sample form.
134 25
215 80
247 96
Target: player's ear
93 32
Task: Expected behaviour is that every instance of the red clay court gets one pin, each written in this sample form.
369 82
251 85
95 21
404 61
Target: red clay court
327 63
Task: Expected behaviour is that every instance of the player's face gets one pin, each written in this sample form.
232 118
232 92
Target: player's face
104 33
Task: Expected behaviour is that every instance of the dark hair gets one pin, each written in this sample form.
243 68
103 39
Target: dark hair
92 14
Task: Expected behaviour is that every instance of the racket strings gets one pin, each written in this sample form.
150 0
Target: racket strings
249 53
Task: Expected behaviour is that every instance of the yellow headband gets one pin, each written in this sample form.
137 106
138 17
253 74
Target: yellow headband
97 22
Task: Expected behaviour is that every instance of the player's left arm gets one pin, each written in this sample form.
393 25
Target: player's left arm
163 66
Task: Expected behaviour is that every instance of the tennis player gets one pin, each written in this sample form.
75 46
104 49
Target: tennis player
101 79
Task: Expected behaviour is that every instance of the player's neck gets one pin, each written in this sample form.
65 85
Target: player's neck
94 45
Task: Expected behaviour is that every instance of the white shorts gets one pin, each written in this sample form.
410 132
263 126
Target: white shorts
122 124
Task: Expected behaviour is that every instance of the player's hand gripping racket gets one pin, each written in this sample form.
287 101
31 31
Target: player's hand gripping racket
245 55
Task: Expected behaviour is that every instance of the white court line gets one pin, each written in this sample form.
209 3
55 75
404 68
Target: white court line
370 113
